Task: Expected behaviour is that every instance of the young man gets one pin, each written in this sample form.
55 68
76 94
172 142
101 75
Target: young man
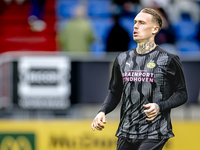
150 82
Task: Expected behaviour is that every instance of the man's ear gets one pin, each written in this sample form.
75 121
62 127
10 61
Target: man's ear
155 30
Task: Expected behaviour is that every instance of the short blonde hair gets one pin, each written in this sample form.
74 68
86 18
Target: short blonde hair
156 16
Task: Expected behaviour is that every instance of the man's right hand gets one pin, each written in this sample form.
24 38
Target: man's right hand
98 121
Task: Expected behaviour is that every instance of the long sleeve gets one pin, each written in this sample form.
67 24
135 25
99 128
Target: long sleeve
110 103
177 78
115 88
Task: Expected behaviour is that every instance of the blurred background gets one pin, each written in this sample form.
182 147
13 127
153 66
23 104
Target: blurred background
55 62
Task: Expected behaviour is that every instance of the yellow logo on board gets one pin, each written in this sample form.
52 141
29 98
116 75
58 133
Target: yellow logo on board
19 143
151 64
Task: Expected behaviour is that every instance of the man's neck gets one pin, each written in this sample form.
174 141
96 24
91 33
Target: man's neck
146 47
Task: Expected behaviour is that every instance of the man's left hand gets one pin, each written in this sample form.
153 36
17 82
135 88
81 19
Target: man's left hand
152 111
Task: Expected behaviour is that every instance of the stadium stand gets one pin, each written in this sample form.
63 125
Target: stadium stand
15 32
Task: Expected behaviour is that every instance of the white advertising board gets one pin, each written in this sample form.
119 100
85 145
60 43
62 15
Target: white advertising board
44 82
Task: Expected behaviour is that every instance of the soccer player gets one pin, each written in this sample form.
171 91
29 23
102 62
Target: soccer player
150 82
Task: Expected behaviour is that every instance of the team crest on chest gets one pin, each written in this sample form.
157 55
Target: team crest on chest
151 64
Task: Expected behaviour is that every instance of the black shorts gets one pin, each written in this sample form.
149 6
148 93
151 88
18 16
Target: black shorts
144 144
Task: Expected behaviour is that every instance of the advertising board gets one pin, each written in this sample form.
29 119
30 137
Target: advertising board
44 82
77 135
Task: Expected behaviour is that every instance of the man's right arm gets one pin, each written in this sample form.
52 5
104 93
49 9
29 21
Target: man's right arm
115 88
109 104
112 100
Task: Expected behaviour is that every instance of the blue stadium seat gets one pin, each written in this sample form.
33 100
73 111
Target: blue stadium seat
188 46
97 46
186 28
101 25
64 8
127 23
99 8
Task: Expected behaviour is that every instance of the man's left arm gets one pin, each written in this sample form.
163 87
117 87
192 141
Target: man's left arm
179 96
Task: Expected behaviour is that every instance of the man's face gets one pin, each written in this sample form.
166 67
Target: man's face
143 27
